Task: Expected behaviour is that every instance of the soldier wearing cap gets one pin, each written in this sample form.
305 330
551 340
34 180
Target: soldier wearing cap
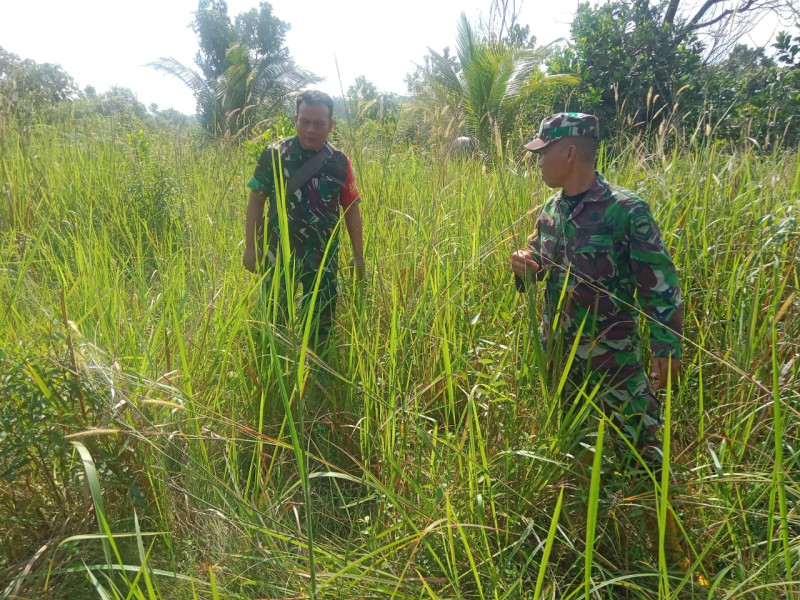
599 244
603 263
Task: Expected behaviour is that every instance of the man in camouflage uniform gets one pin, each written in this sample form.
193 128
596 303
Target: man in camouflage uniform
312 209
598 244
603 263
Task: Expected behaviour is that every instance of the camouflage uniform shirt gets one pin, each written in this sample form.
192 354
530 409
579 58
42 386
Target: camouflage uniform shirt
313 210
603 260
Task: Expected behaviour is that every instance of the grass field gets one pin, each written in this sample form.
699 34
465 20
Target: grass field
159 440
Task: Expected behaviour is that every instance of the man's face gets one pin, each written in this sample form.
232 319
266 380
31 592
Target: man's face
554 164
314 123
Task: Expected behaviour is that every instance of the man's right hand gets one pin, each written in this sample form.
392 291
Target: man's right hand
249 259
523 265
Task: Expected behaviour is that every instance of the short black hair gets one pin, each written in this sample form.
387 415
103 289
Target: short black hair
586 147
315 97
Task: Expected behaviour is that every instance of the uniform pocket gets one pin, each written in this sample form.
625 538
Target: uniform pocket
594 259
550 244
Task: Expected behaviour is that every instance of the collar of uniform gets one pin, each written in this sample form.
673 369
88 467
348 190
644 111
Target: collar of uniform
596 193
297 151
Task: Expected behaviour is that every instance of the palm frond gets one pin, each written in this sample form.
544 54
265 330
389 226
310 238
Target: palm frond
191 78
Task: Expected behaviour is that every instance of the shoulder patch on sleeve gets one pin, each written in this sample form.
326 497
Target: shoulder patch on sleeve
643 226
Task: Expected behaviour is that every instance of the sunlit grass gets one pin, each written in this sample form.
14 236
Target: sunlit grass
425 456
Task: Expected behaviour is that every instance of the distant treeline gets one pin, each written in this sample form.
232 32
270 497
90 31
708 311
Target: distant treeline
640 66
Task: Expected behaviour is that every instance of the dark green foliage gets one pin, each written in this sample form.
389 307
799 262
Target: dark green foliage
43 399
751 95
786 87
39 405
118 101
246 72
788 48
735 88
258 29
641 69
633 68
261 31
366 103
27 87
214 34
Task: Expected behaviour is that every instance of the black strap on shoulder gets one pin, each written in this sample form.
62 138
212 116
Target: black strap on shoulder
307 169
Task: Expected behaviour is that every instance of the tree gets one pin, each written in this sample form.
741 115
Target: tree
27 87
365 102
120 101
503 25
732 90
170 117
363 89
750 95
788 49
483 92
432 65
246 73
634 68
520 37
719 24
785 90
214 31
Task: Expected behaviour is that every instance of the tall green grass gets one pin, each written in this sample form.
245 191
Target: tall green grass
424 456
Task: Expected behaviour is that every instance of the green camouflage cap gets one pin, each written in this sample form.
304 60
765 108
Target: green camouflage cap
562 125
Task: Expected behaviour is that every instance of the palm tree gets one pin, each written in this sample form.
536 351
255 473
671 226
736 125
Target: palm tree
246 73
247 91
485 93
204 92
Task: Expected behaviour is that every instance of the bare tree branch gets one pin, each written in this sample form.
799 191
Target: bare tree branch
672 10
694 23
720 24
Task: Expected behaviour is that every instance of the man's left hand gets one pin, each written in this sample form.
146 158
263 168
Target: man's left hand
662 370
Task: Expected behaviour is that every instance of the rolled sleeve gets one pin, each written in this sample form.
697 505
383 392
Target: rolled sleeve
263 179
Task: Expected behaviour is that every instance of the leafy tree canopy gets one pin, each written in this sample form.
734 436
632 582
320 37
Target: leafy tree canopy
633 66
487 91
258 30
788 48
246 72
365 102
27 87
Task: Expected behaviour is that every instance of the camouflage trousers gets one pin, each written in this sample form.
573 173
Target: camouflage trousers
625 396
276 304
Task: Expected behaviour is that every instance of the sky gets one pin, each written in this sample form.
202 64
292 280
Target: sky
109 42
103 43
